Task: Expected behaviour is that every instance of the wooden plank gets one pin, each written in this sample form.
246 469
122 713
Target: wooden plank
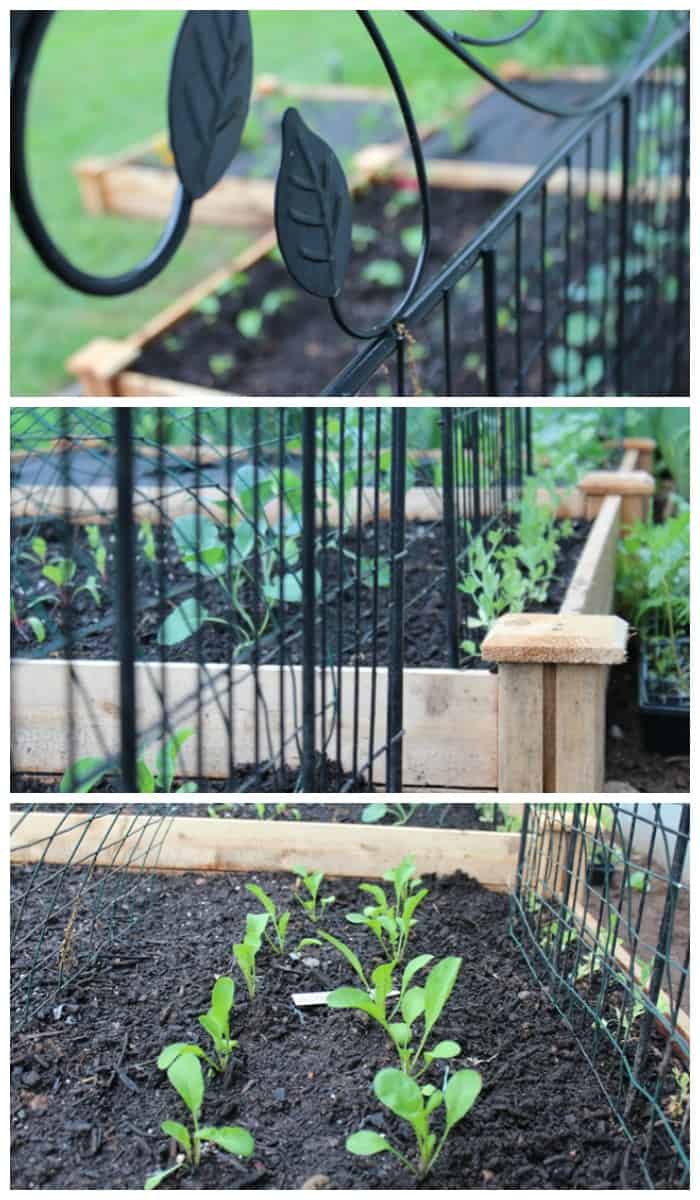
137 190
450 717
520 729
200 844
592 586
579 729
556 638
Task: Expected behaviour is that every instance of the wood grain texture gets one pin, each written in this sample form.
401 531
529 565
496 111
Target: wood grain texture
450 717
201 844
556 638
592 587
520 728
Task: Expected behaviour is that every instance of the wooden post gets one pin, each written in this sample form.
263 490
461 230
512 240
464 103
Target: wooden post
552 680
635 487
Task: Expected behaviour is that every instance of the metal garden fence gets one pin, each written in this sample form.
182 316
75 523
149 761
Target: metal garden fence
578 285
600 912
241 591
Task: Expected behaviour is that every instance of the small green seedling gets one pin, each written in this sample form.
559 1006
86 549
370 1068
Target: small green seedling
245 952
279 923
85 774
400 814
99 550
406 1099
312 881
676 1105
391 924
185 1075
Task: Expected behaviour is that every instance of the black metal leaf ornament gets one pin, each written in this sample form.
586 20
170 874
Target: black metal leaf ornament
210 84
312 210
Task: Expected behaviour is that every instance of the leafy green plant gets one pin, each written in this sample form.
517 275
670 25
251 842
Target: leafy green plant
312 903
22 624
279 922
403 1097
147 540
391 923
245 952
250 322
99 550
185 1075
85 774
400 814
676 1105
216 1022
383 271
636 1001
221 364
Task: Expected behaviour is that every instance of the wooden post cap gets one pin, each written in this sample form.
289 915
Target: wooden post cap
639 443
556 638
617 483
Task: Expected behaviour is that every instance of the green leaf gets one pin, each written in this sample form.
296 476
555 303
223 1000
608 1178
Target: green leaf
83 775
460 1094
185 1074
365 1142
250 322
182 622
38 628
438 987
262 896
564 362
444 1050
39 547
222 999
416 964
158 1177
255 925
434 1101
212 1026
581 329
351 997
373 812
399 1093
169 1053
413 1004
144 779
399 1033
230 1137
60 572
166 758
382 978
180 1133
347 954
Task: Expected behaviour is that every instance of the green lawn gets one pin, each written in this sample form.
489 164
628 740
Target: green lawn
101 85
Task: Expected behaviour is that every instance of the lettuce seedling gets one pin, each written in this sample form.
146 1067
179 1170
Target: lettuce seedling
185 1075
391 924
245 952
312 881
216 1022
427 1002
279 923
403 1097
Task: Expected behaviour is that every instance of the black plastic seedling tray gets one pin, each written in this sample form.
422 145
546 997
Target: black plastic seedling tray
665 726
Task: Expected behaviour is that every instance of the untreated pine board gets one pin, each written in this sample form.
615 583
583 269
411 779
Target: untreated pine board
450 717
592 586
578 761
520 729
201 844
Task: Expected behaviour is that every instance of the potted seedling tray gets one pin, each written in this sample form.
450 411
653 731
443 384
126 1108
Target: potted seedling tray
141 182
474 728
296 1078
664 696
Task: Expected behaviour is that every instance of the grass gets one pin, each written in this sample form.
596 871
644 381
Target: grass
101 85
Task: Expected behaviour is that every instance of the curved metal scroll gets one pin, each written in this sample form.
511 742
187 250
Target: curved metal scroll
208 99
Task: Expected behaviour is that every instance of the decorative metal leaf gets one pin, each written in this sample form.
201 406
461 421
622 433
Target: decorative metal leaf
312 210
210 83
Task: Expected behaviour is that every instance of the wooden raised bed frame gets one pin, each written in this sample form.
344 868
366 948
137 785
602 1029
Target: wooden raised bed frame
538 725
350 850
103 366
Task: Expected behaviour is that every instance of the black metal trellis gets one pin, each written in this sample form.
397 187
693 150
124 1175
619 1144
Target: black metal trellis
253 578
600 912
625 128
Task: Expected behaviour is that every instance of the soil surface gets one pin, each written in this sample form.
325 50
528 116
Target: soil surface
627 759
294 347
88 1099
348 611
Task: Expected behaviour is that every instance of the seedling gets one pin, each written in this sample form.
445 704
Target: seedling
99 550
249 322
85 774
35 624
279 922
383 271
245 952
391 924
216 1022
400 814
406 1099
220 364
147 541
312 880
676 1105
185 1075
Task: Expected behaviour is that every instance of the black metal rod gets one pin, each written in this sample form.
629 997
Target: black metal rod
624 205
450 535
126 606
396 613
308 551
488 261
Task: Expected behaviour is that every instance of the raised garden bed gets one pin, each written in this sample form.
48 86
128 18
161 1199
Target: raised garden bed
471 729
540 1122
141 182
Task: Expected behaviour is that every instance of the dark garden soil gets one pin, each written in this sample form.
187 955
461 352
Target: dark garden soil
297 349
346 619
88 1099
627 759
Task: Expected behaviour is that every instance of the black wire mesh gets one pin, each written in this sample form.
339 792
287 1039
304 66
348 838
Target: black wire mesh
224 599
601 914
